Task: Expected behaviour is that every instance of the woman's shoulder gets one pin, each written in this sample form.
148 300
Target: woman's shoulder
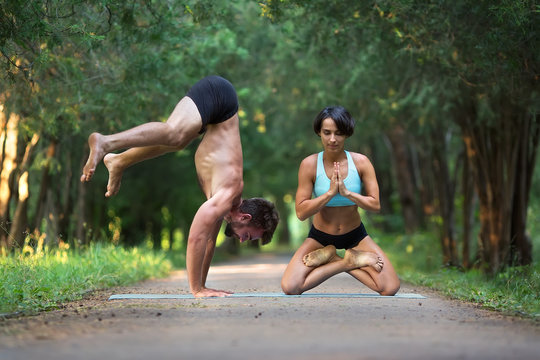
359 159
309 164
310 160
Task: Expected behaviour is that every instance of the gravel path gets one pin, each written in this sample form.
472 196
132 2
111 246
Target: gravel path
267 328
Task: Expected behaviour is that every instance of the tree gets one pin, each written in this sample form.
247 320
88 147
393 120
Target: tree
480 60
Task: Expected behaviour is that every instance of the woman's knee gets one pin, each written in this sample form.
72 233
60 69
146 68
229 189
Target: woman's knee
390 289
290 288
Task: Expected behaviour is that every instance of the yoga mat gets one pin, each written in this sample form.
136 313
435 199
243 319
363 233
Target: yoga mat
264 295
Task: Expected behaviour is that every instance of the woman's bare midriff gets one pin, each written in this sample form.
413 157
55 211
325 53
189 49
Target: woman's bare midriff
337 220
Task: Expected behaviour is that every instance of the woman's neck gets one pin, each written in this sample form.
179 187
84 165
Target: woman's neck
334 156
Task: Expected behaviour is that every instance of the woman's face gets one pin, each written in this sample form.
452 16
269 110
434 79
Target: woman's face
332 139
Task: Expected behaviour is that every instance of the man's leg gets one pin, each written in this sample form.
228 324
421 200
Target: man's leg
117 163
181 128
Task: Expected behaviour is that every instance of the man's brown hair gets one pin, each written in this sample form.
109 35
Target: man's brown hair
263 215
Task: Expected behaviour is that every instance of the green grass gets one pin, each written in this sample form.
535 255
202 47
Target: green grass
32 281
417 259
36 279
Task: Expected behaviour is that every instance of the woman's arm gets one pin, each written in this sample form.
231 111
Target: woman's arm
369 201
305 205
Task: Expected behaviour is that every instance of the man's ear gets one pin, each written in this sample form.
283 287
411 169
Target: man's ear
245 217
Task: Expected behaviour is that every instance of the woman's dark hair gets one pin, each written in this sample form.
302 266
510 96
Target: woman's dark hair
344 121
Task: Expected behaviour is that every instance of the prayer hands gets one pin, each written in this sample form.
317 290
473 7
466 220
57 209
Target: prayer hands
336 183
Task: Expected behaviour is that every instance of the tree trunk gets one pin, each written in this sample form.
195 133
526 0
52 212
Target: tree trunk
405 183
284 233
427 183
44 187
468 211
494 150
66 197
380 157
10 133
19 226
521 245
80 208
445 189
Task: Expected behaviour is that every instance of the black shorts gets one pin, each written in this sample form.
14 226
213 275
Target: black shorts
343 241
215 98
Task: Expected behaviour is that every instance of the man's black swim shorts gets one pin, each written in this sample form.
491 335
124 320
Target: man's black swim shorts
215 98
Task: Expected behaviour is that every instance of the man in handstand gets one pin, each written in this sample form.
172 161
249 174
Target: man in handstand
209 107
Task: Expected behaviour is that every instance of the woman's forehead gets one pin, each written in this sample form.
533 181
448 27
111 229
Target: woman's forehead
329 123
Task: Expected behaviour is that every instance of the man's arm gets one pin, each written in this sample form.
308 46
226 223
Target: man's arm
204 229
209 254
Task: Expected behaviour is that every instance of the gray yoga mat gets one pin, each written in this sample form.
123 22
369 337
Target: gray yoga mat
264 295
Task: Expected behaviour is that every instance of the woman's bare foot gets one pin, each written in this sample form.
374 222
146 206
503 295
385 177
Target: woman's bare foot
357 259
115 174
320 256
95 142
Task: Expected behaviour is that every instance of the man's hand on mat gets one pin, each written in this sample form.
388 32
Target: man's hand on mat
205 292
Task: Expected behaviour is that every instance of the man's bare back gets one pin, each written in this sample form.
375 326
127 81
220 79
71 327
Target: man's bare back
219 160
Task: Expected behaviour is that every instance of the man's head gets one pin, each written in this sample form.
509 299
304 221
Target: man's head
256 218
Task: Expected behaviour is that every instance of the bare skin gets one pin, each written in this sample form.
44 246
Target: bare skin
312 263
320 256
353 258
115 174
95 143
147 140
219 165
359 259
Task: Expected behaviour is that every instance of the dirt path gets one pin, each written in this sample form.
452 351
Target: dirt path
267 328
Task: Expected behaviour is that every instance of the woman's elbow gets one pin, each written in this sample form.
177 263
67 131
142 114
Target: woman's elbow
301 216
375 206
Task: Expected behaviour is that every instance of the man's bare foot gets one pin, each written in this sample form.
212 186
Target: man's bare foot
358 259
115 174
95 142
320 256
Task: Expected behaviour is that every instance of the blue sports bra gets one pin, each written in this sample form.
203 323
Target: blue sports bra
322 182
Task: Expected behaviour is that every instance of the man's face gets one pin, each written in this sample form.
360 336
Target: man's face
245 232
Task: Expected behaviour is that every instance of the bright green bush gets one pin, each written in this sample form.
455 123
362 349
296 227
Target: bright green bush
417 259
41 279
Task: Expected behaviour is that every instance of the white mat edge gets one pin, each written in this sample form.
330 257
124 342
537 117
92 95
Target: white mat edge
264 295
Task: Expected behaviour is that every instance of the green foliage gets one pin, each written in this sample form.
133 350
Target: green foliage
34 281
514 290
109 65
